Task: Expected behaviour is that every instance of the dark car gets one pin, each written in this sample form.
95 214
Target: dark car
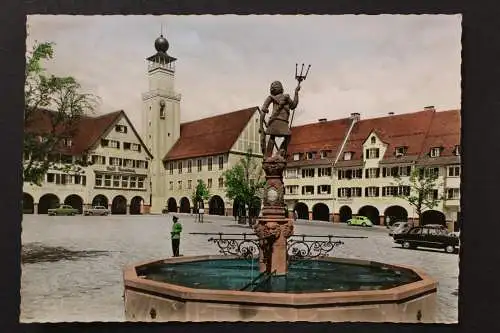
431 236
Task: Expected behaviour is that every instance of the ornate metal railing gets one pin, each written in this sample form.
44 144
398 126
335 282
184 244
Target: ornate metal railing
246 245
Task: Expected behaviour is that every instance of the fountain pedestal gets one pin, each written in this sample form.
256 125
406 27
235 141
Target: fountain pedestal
274 228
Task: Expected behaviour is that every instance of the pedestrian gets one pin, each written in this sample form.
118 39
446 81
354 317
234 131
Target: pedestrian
176 235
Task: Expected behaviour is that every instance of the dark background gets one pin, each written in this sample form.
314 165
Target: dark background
480 256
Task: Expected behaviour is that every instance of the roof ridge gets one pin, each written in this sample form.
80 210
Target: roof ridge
220 115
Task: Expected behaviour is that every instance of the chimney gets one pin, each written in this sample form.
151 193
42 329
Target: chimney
391 113
322 120
430 108
355 116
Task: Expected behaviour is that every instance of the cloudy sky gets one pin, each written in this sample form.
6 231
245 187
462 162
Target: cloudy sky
367 64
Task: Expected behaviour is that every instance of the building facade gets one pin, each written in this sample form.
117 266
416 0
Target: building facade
117 175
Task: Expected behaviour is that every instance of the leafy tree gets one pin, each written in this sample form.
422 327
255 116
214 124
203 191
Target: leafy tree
245 182
200 193
423 186
58 104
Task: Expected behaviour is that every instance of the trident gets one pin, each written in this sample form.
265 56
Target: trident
299 77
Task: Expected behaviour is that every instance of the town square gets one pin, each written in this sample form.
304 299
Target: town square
257 166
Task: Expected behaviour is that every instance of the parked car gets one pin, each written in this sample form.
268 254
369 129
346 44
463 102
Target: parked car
360 220
431 236
62 210
96 210
399 227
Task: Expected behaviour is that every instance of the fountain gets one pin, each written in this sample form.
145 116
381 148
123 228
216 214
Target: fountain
296 278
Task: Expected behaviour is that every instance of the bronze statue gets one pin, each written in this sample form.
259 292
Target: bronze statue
278 125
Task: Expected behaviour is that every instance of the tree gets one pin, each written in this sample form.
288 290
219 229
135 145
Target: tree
53 107
244 182
421 189
200 193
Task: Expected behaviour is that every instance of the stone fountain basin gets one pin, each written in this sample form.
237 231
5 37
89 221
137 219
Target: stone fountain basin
150 300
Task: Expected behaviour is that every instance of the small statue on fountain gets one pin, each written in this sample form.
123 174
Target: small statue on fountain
278 125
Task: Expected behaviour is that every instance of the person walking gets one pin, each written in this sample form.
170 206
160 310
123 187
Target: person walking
176 236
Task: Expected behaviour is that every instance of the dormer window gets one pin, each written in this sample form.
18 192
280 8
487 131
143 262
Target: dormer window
121 128
456 151
400 151
322 154
296 156
347 156
435 152
373 140
372 153
309 156
67 142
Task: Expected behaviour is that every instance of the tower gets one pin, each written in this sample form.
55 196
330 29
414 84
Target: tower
160 118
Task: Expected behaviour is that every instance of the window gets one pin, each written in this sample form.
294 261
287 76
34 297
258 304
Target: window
126 145
128 163
296 156
124 181
292 189
133 182
209 164
121 128
308 190
355 191
116 181
344 192
400 151
221 162
291 173
162 112
347 156
114 144
115 161
50 178
221 182
199 164
435 152
179 184
371 191
457 151
350 174
324 189
96 159
68 142
140 182
171 168
98 180
79 180
433 195
309 156
107 180
453 193
372 173
372 153
190 165
322 154
432 172
389 191
209 184
397 171
416 231
171 185
324 172
454 171
373 140
190 184
179 167
135 147
104 143
307 173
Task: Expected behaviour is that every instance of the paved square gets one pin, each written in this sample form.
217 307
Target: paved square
90 288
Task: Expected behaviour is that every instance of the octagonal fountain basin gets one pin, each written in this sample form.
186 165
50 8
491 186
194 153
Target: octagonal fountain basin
222 288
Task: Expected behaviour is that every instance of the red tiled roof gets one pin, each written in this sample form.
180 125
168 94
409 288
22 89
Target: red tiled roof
444 132
327 135
210 136
84 134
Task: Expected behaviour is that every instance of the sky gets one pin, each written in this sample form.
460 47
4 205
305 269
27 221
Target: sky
359 63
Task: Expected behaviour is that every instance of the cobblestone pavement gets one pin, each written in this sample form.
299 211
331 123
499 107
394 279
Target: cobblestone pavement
89 288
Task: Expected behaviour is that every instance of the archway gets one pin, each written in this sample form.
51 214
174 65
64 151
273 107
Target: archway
370 212
100 200
185 205
28 204
135 205
74 201
46 202
433 217
172 205
216 206
395 214
119 205
345 213
302 211
321 212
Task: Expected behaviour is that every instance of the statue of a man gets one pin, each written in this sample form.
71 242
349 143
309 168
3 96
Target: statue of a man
277 125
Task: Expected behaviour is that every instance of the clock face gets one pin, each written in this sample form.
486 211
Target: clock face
272 195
